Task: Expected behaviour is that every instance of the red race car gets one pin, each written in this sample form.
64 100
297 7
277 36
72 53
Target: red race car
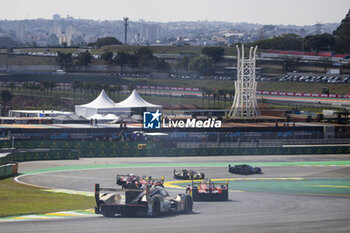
207 190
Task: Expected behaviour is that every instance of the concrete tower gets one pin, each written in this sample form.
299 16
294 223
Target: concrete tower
244 103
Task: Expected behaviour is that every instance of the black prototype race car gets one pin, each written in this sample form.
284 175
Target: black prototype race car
244 169
188 174
207 190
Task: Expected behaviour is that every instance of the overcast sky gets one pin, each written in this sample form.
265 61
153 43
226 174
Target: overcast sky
298 12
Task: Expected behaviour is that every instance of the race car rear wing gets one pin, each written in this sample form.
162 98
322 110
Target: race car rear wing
128 192
147 178
209 183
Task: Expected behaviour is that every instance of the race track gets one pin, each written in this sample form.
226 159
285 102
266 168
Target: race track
258 211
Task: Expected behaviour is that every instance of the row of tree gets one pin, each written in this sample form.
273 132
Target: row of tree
217 94
66 61
338 41
143 57
321 42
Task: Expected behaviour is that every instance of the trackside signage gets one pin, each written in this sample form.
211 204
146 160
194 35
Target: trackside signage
152 120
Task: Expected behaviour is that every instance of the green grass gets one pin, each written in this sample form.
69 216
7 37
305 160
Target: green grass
26 60
262 86
303 87
291 107
19 199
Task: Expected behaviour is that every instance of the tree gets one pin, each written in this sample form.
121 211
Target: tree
342 35
209 92
78 41
183 63
215 95
221 92
84 59
64 60
76 85
107 56
320 42
6 97
202 64
161 64
46 85
53 41
215 53
290 63
105 41
52 85
204 92
11 86
122 59
285 42
87 87
118 89
144 57
96 87
7 42
131 87
132 61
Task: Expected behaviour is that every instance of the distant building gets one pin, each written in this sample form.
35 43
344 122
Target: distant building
56 17
150 32
56 29
62 39
318 28
70 31
21 33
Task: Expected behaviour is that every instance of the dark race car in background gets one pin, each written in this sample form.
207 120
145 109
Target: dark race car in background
244 169
185 174
208 190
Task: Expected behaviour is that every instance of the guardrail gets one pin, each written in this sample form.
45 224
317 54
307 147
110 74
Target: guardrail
306 141
7 170
226 144
263 143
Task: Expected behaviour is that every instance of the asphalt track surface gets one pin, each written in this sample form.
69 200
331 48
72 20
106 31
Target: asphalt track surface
244 212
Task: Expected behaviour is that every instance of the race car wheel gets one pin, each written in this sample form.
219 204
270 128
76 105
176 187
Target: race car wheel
107 212
156 208
225 195
188 204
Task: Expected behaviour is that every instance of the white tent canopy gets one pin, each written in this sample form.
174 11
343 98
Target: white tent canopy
103 105
101 101
135 101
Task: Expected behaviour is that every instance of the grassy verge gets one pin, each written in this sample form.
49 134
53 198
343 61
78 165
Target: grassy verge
19 199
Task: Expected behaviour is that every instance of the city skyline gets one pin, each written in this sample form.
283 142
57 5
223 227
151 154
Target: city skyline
251 11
